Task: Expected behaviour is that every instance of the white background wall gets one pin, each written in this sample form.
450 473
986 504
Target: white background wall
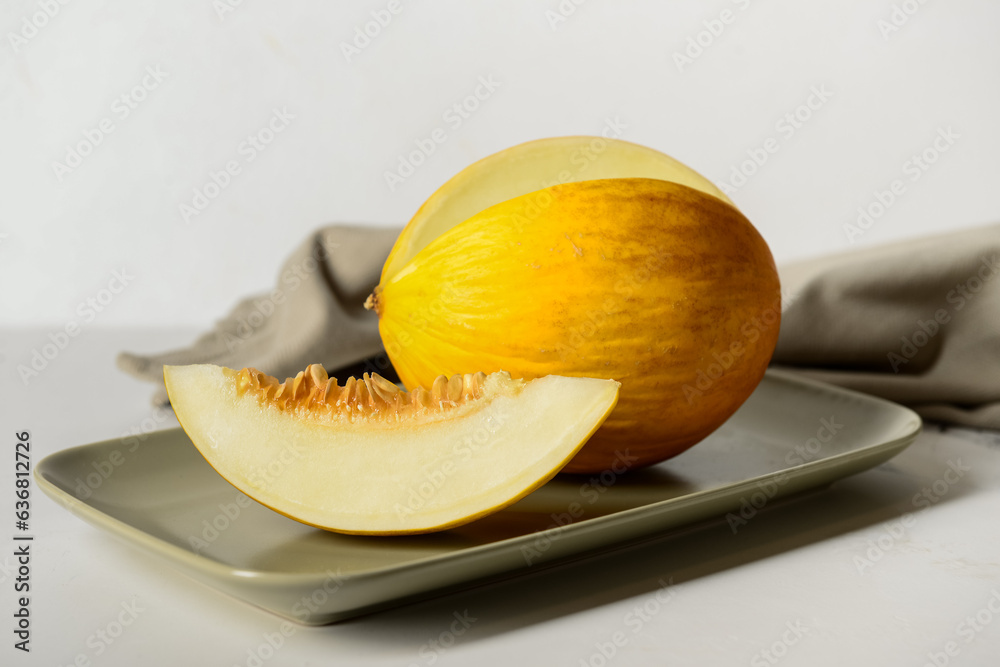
226 71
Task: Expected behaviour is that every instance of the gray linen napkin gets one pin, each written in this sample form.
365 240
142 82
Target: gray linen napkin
314 314
916 322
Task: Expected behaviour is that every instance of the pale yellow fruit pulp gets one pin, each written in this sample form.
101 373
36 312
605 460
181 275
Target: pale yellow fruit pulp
373 460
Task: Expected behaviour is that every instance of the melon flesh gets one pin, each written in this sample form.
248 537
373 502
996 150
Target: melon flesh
368 458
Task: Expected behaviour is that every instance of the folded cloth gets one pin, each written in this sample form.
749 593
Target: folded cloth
314 314
916 322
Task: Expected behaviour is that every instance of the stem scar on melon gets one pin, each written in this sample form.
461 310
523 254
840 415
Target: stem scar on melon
372 302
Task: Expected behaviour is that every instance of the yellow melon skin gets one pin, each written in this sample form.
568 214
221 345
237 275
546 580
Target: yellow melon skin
664 288
528 167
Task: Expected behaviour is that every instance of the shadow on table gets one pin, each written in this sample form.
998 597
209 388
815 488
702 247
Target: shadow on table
877 496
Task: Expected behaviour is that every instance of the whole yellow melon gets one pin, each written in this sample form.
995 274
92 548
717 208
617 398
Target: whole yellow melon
664 287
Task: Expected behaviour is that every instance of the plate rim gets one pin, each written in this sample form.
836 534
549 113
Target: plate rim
909 421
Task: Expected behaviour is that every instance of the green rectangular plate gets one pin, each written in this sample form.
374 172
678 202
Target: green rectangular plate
790 436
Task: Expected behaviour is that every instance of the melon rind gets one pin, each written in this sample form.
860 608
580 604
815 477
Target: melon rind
530 167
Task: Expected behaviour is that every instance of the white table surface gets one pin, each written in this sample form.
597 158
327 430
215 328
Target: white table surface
795 565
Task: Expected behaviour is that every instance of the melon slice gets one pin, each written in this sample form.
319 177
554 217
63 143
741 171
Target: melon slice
369 458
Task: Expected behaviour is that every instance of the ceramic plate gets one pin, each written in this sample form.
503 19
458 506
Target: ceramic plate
791 435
